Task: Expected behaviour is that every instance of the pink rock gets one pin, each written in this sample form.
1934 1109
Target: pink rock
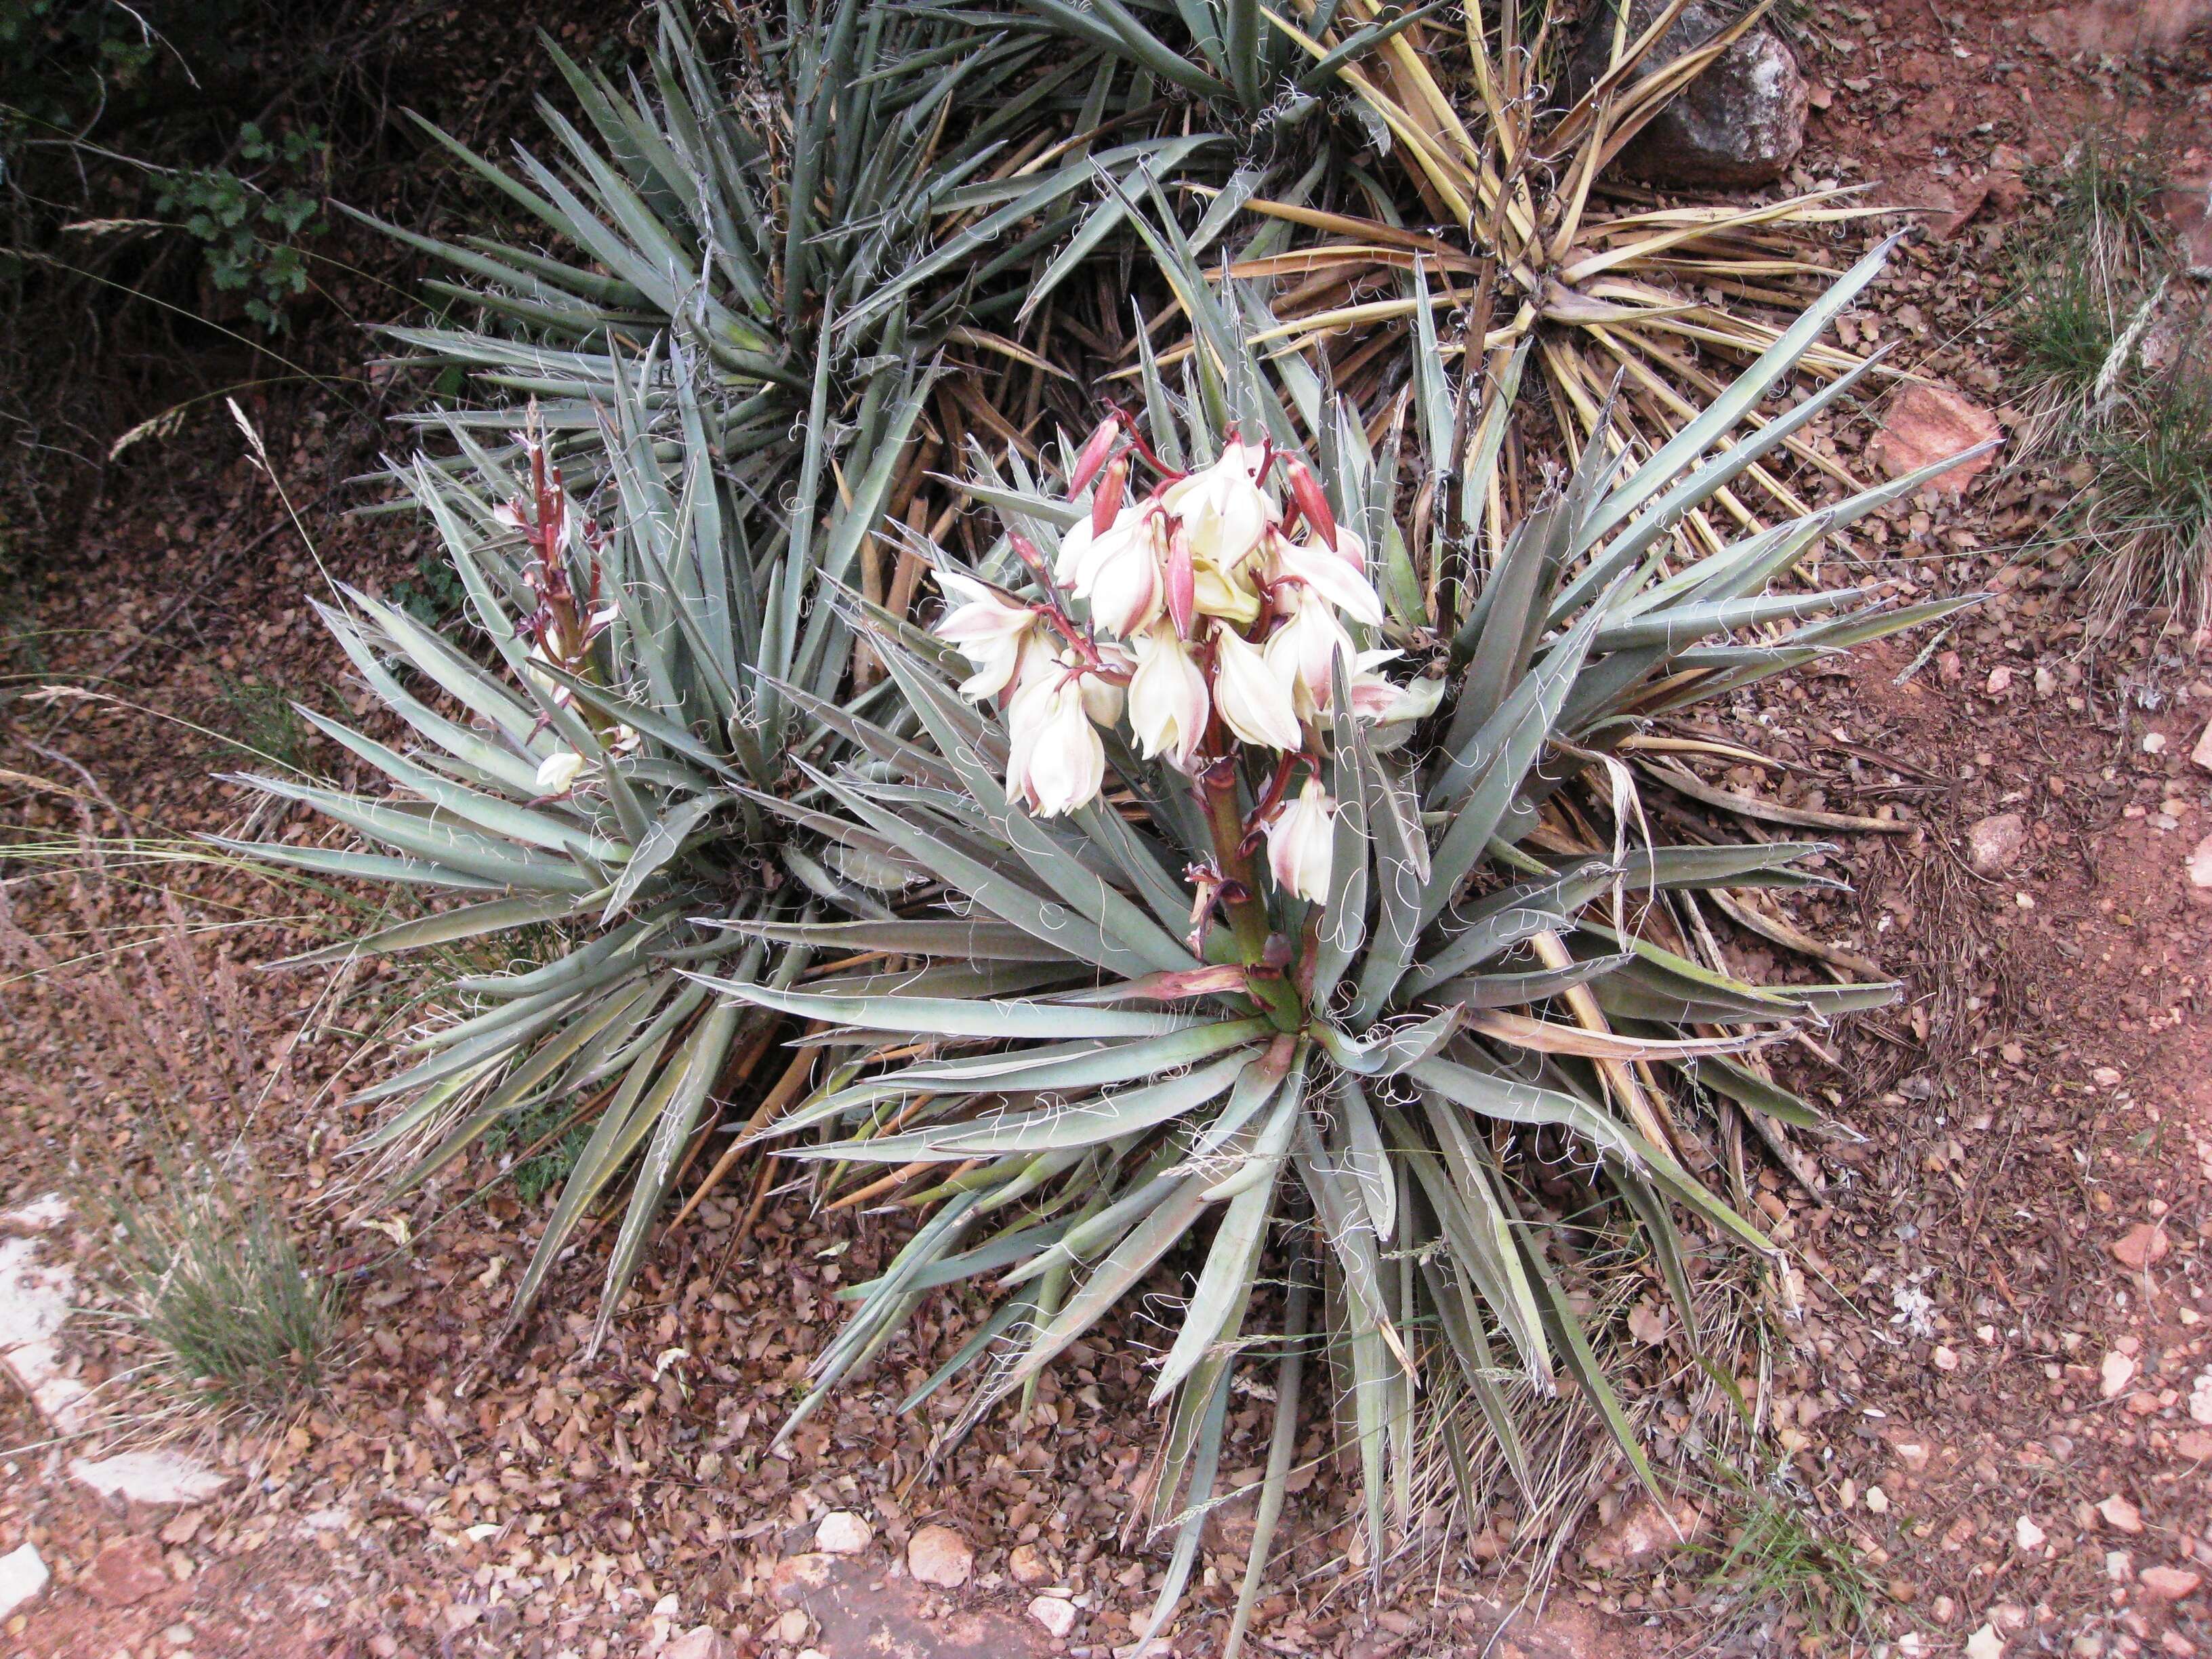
2168 1583
938 1555
22 1576
2119 28
1995 844
2200 864
2120 1514
1924 424
2141 1245
1641 1531
842 1533
126 1571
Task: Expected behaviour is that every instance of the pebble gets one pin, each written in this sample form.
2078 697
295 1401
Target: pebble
842 1533
126 1571
2200 864
1995 843
1055 1613
938 1555
1877 1500
2027 1534
2140 1246
1985 1643
2120 1514
2115 1374
1027 1563
791 1628
2168 1583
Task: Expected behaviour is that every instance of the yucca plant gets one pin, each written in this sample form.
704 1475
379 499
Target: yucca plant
1610 284
1196 928
865 191
593 789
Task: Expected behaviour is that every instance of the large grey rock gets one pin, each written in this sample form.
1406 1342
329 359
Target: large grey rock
1741 122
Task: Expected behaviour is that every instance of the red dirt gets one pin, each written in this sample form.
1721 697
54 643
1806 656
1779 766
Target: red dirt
2042 1095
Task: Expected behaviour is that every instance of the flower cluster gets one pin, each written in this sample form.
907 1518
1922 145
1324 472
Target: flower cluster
1207 614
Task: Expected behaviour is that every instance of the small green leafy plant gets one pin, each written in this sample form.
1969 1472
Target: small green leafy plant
253 226
1779 1576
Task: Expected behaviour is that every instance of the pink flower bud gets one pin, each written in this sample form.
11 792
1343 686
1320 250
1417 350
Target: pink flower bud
1181 596
1312 499
1107 502
1092 455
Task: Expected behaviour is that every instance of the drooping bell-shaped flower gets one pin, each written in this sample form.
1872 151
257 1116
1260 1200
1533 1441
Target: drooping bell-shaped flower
1056 763
558 771
1301 837
1255 701
1393 709
1120 572
1223 508
1167 697
1303 650
1331 574
1105 696
988 628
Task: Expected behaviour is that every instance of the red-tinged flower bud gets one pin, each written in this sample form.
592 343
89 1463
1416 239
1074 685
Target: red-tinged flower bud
1182 582
1312 499
1106 503
1093 454
1026 550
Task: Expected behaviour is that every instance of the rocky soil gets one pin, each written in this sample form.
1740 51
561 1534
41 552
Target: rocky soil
1998 1398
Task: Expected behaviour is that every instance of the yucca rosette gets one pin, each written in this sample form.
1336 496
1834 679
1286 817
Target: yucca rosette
1337 991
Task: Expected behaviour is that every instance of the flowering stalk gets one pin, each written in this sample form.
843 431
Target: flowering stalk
1209 619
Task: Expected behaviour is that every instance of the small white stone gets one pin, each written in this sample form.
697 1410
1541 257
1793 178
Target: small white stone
2027 1534
791 1628
1055 1613
2154 743
2115 1374
150 1478
842 1533
1985 1643
1877 1500
22 1576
